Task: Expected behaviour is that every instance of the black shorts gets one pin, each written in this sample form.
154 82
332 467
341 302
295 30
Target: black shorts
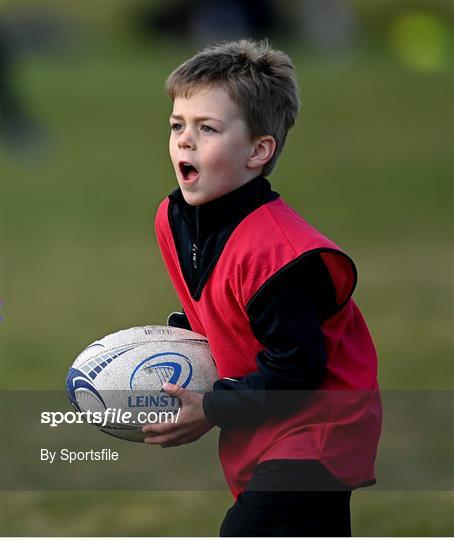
290 498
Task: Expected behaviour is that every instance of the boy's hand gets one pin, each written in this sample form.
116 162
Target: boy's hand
192 422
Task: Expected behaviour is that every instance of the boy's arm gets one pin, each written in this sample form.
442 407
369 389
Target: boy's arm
286 317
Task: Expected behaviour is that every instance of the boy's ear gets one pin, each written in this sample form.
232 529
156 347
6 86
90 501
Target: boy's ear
262 151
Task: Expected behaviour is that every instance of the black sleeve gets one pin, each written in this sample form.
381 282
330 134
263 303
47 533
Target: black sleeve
286 316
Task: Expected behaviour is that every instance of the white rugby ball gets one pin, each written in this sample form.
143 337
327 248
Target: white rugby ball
125 372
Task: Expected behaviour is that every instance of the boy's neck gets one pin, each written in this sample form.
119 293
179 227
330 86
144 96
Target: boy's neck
250 187
228 209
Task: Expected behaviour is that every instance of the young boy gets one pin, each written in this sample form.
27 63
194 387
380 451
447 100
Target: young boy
297 400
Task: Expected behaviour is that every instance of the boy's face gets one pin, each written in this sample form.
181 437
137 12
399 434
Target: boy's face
209 145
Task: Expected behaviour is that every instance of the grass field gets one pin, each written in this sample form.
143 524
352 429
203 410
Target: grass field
370 164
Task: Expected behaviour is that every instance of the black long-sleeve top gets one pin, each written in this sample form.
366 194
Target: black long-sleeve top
285 315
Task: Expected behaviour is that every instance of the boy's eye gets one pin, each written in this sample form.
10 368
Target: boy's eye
176 126
206 128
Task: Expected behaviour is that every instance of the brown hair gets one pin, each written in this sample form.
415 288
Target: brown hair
259 79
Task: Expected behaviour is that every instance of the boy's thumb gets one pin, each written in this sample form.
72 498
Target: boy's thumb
172 389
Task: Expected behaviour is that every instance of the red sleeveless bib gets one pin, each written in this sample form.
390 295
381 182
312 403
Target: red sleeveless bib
339 425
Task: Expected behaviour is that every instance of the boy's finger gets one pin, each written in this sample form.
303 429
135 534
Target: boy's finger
155 439
173 390
150 428
165 438
177 441
159 428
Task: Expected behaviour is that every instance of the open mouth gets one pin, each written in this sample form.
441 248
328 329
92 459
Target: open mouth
188 171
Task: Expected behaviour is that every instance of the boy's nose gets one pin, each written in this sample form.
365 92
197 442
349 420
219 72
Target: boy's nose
186 140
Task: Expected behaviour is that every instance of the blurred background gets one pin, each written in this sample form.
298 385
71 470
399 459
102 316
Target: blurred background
84 127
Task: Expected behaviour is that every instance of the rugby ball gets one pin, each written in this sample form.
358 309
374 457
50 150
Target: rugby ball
124 373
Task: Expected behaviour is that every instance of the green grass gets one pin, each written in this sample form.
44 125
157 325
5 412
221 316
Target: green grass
200 514
370 164
115 514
